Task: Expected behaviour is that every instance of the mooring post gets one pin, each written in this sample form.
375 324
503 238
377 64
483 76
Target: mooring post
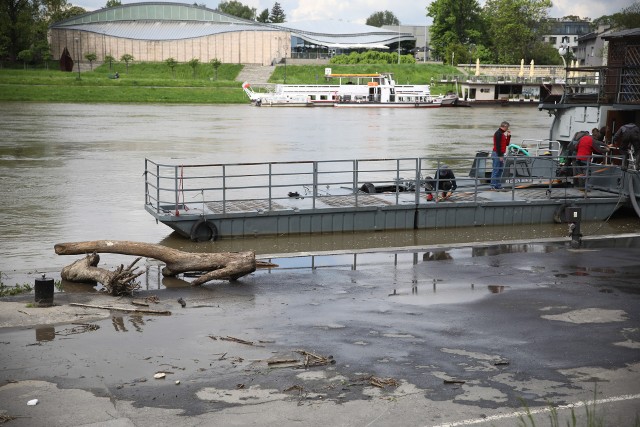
573 215
44 291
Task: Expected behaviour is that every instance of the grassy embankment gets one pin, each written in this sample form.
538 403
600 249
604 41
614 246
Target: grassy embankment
157 83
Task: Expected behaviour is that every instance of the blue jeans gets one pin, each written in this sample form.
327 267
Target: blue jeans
496 173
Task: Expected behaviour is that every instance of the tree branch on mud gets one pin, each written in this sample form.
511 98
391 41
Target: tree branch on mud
219 266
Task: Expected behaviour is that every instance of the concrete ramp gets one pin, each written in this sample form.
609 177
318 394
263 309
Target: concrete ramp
256 74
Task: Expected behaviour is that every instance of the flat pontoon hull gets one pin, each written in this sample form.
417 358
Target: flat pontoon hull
426 215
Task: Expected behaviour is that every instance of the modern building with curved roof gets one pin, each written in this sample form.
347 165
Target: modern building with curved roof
156 31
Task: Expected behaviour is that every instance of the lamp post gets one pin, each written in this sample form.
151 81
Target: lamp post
563 51
424 57
78 46
398 44
285 64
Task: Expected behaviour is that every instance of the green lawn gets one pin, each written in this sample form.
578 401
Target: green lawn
157 83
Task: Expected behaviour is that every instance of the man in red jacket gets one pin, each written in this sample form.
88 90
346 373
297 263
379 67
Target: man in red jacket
587 147
501 139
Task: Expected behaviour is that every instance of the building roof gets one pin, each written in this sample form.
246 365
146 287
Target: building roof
632 32
177 21
156 31
152 11
344 34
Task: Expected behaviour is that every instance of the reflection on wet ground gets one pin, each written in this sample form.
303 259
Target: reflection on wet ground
152 279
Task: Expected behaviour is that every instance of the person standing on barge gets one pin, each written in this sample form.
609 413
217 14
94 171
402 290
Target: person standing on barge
501 139
589 147
627 139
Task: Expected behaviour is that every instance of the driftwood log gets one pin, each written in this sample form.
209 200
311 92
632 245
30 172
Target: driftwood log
218 266
118 282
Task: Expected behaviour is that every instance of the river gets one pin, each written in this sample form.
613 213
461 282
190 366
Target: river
73 172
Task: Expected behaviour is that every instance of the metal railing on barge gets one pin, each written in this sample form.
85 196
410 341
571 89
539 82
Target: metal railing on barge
221 189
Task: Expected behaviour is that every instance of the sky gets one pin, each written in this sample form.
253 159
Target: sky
409 12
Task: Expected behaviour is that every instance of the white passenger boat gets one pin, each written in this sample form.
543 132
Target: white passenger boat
351 90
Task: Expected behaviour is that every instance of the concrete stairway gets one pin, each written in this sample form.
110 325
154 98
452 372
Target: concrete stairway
256 74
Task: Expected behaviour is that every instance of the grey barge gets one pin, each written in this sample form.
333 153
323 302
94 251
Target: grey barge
205 202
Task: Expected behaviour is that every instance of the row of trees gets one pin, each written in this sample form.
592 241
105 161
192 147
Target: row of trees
373 57
504 31
193 63
236 8
24 25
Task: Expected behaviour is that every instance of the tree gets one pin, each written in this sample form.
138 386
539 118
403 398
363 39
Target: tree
126 58
17 20
194 64
277 15
24 25
456 23
46 57
110 59
113 3
25 56
69 12
235 8
628 18
91 57
215 63
515 26
378 19
264 16
172 64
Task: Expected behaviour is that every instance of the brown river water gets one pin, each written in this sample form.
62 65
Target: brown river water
74 172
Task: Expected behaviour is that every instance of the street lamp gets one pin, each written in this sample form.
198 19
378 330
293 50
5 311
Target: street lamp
285 64
563 51
424 56
398 44
78 46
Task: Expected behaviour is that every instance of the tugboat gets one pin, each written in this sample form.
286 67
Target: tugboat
614 104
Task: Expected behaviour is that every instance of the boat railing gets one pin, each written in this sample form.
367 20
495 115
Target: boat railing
178 189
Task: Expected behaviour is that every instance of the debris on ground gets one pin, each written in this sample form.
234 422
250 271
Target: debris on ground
152 299
275 361
311 359
128 310
4 418
378 382
238 340
296 387
454 381
80 328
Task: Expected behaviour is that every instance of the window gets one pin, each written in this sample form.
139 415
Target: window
553 40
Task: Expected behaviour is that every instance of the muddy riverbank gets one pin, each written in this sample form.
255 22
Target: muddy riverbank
433 336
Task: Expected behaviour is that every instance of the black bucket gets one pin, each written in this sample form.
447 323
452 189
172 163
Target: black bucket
44 292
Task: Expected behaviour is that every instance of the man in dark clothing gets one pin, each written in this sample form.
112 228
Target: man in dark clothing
501 139
444 181
627 138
